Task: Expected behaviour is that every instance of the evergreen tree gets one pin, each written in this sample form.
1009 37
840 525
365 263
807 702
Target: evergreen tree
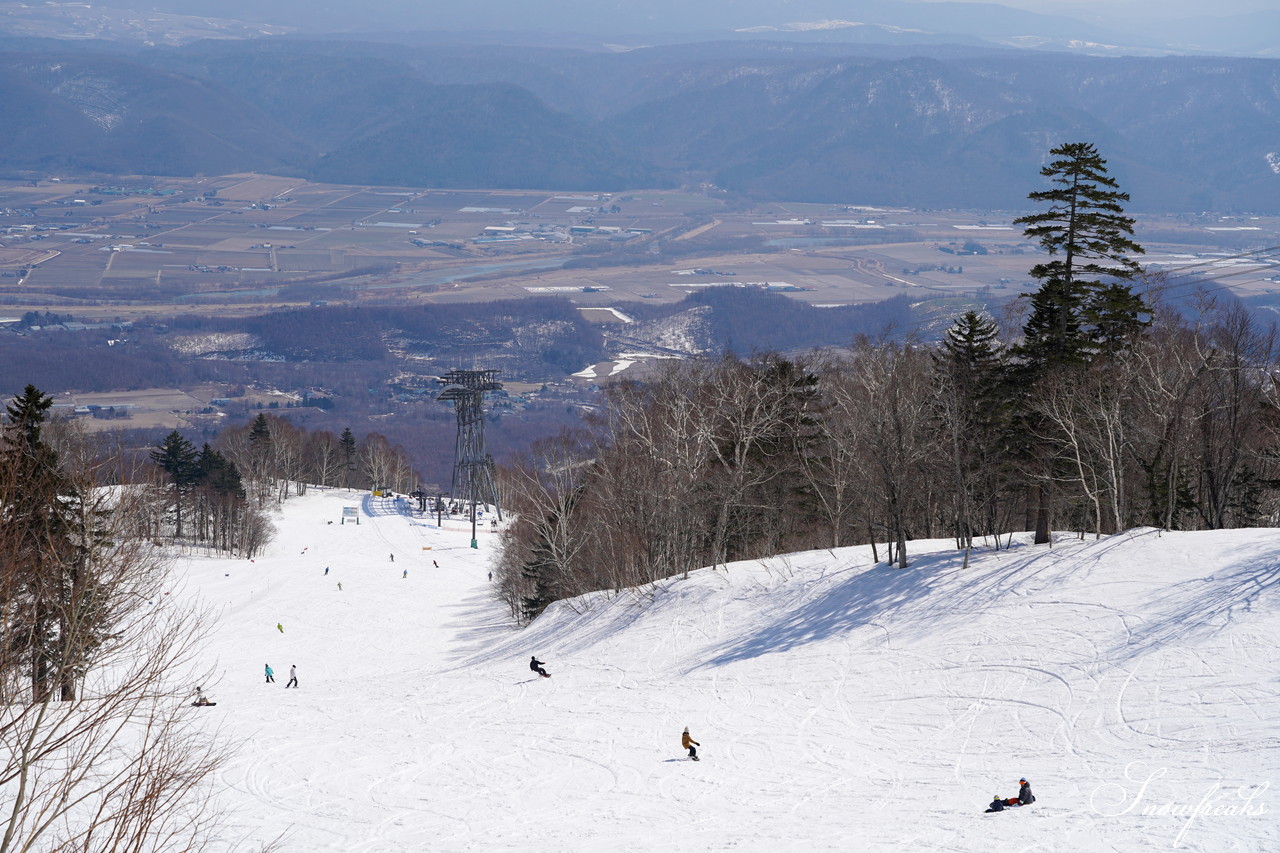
1074 314
970 355
177 458
537 572
348 444
260 434
974 410
32 482
53 539
220 500
261 458
218 474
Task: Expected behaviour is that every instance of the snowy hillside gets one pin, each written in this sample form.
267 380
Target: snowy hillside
839 705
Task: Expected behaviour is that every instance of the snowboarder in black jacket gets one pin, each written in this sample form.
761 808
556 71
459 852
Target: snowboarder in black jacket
537 666
997 804
1025 797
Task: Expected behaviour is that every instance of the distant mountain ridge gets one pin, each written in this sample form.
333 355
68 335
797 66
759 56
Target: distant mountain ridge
105 114
946 127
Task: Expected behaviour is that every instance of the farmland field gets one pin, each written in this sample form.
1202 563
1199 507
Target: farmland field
156 244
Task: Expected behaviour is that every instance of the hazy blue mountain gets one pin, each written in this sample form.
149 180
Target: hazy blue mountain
922 127
91 113
1180 133
486 136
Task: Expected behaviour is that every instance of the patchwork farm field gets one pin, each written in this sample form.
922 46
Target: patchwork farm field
249 243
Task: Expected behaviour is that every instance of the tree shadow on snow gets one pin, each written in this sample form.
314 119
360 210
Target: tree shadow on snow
481 623
936 591
1206 605
921 595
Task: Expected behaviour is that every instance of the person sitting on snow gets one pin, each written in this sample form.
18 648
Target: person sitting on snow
997 804
1024 798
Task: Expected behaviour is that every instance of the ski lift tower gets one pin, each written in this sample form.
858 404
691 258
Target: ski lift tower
472 465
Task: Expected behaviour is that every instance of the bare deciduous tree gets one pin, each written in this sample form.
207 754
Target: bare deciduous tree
108 761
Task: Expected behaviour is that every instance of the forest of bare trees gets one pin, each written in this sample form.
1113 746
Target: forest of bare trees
726 459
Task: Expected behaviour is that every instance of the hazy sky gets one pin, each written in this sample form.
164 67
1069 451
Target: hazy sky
1113 9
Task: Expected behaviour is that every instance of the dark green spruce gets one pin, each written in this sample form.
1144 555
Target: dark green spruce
177 458
1083 306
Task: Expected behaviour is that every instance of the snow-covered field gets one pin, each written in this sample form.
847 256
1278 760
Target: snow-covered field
840 704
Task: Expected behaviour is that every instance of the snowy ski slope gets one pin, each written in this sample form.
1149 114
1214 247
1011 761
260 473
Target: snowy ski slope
840 705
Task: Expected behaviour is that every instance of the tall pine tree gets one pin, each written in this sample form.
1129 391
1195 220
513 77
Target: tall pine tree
1082 307
973 412
177 458
348 444
52 539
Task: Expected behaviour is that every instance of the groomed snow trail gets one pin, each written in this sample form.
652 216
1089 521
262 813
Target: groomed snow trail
840 705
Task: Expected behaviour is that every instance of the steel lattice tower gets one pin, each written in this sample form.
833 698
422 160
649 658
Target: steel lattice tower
472 465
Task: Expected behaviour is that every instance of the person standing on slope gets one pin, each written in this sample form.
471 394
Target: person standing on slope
293 677
689 744
537 666
271 675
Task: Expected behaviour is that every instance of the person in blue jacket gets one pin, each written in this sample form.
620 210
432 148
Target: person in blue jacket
271 676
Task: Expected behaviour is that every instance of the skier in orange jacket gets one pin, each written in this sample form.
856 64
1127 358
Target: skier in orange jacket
689 744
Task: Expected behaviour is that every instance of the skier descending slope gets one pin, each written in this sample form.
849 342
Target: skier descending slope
537 666
690 744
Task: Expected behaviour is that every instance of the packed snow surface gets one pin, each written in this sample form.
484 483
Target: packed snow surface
840 704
